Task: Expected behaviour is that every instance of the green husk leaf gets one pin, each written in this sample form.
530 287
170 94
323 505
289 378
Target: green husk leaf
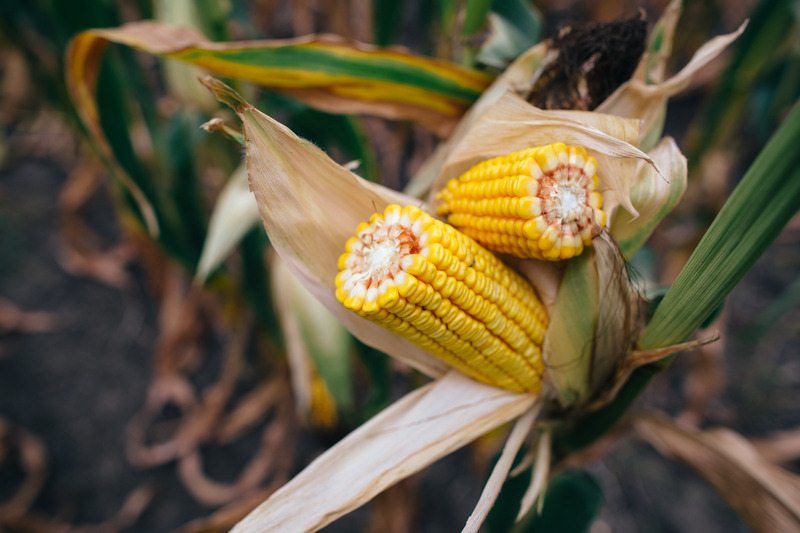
567 348
760 206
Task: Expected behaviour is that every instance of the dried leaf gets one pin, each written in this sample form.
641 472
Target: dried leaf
653 196
412 433
234 214
500 471
310 206
637 99
541 472
766 496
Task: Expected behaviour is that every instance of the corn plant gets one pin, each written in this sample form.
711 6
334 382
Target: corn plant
499 273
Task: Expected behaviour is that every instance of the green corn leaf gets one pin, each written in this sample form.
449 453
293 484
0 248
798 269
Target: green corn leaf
571 504
760 206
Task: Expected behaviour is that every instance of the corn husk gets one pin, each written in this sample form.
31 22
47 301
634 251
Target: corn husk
592 324
648 101
404 438
310 206
512 124
526 66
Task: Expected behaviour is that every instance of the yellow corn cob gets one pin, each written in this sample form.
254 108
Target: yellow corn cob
434 285
540 202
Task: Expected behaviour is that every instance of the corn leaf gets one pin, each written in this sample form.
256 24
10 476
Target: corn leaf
514 26
764 495
653 196
310 206
412 433
326 72
315 341
234 214
757 210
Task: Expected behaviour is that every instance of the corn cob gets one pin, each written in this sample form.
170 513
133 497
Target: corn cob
536 203
430 283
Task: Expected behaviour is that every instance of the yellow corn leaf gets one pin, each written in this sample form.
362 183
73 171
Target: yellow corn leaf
765 496
512 124
234 214
310 206
653 196
638 99
412 433
325 71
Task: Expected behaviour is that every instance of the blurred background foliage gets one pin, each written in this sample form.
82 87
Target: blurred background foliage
208 424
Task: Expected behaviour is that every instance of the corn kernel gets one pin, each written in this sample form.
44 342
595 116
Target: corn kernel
439 288
538 203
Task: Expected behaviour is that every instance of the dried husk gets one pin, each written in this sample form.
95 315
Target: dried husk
491 490
528 65
310 206
512 124
648 101
404 438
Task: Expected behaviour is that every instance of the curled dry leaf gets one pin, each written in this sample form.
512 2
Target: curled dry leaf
310 206
404 438
766 496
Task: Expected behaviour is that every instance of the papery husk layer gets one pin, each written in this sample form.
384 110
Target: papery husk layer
412 433
310 206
